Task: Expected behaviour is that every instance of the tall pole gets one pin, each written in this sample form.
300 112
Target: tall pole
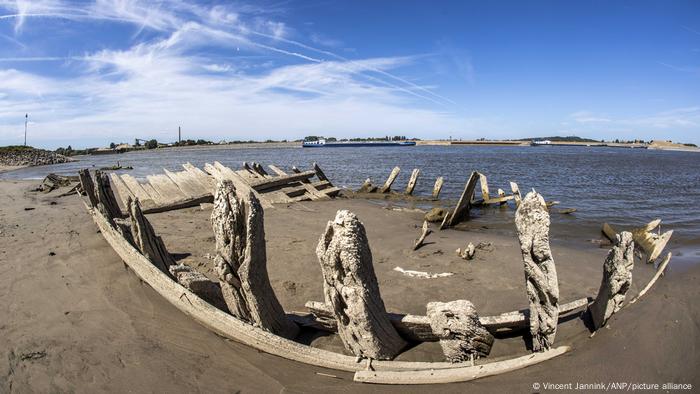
179 134
26 119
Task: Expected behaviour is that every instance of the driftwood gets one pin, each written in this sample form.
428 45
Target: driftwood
485 194
462 374
468 252
617 279
412 182
461 210
146 240
52 182
417 328
241 261
422 274
390 180
437 187
425 232
532 223
659 272
88 186
351 289
462 336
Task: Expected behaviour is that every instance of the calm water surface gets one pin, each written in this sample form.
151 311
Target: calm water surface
620 186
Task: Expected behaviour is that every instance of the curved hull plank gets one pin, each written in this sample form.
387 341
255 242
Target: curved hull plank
463 374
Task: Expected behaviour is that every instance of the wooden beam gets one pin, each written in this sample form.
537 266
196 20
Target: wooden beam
417 328
270 183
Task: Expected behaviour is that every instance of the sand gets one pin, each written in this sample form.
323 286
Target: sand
73 319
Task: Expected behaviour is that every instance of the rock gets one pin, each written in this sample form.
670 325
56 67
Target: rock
436 215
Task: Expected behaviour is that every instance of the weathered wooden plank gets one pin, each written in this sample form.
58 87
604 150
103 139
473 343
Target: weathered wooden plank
461 210
463 374
306 184
186 184
88 186
659 271
137 189
517 197
121 188
319 173
270 183
223 172
165 187
425 232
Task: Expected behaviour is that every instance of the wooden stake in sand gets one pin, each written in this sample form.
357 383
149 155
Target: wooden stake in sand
425 233
532 224
241 261
351 290
617 278
367 187
412 182
517 197
462 337
437 187
390 180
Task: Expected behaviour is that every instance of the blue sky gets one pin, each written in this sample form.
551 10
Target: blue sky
92 72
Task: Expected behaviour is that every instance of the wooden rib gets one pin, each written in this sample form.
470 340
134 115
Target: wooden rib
484 187
412 182
417 328
319 173
200 175
659 272
235 329
462 374
437 187
306 184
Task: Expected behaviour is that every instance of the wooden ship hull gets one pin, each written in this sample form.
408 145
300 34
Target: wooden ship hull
103 207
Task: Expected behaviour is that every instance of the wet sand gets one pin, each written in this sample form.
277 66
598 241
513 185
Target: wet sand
73 319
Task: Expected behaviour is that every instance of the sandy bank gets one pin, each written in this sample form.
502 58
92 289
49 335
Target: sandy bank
73 319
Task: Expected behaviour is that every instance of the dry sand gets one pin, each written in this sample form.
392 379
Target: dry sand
73 319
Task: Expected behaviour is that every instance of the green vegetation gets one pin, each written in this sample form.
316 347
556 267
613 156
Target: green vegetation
15 148
151 144
192 142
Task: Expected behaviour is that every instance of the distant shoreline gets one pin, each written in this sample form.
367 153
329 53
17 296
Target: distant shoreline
653 146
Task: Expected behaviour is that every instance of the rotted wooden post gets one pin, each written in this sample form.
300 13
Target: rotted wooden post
532 223
412 181
617 279
88 186
351 290
437 187
241 261
390 180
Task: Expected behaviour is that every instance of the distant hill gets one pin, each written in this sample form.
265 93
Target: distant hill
560 139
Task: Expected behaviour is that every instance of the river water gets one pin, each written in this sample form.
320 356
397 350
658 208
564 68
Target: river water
624 187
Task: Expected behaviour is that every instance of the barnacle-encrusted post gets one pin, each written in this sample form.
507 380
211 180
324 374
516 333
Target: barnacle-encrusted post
532 223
